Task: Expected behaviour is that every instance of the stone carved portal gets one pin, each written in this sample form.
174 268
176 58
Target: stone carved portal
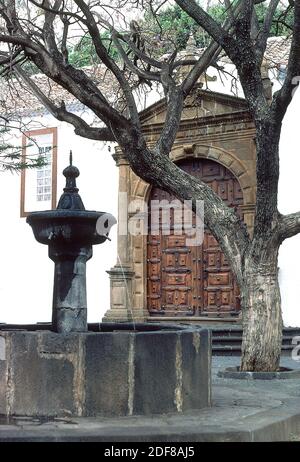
217 130
185 280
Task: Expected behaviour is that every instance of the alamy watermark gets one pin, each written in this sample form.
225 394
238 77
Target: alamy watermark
166 217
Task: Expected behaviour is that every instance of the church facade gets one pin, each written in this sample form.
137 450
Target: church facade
158 277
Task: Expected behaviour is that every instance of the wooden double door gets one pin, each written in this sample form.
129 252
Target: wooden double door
185 280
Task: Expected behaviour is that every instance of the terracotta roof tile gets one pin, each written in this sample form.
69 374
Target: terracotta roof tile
18 99
277 51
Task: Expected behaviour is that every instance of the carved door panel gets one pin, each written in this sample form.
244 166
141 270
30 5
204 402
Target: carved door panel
176 276
154 273
170 264
196 280
220 290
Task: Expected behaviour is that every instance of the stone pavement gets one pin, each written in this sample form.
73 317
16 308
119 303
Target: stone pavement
243 410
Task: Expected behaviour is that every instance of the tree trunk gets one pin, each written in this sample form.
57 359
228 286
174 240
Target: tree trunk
262 319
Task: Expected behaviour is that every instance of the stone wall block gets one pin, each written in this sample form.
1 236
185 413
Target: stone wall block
41 382
106 374
196 393
155 375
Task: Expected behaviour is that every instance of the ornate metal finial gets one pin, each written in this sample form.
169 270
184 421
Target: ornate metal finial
70 199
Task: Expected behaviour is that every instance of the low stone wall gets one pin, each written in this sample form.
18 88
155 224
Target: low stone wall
115 373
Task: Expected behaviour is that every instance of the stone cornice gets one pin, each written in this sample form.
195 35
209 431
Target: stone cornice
119 157
238 117
233 101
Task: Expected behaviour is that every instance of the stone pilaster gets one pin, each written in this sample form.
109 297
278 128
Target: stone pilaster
122 274
120 294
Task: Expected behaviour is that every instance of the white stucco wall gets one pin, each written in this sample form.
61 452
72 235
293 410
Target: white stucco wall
289 202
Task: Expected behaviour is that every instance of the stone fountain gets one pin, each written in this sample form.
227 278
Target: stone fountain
70 231
70 368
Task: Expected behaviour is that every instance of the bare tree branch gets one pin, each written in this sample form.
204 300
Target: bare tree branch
211 53
284 96
58 12
217 32
111 65
48 30
61 113
289 225
137 51
140 72
261 41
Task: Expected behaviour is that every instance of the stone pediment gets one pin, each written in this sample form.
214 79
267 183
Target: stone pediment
199 104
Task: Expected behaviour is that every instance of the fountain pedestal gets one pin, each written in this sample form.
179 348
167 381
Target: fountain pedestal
69 312
70 231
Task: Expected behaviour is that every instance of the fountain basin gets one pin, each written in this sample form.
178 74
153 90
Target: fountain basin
70 235
124 370
67 226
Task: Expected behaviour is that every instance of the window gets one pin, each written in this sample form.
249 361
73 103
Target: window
44 176
38 186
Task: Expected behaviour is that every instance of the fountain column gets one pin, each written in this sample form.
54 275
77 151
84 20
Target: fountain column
69 312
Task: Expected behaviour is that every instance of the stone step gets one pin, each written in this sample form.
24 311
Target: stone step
228 342
228 350
237 331
287 339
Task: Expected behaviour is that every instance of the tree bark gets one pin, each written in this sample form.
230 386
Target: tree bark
262 318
